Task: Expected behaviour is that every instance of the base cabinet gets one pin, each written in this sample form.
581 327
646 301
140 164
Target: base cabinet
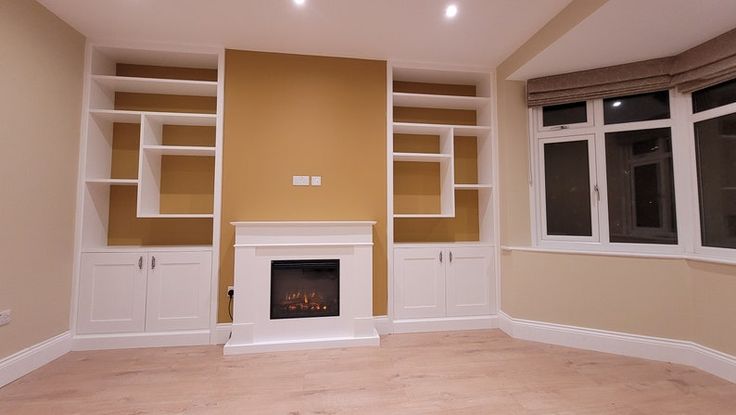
144 292
450 281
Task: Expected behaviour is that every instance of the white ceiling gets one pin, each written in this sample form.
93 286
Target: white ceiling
483 33
623 31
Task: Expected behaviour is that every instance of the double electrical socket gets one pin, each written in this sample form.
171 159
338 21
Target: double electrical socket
306 180
4 317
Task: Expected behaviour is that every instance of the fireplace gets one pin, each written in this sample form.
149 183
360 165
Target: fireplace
305 288
302 285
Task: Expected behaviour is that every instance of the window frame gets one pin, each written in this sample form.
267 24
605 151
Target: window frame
562 127
699 250
599 202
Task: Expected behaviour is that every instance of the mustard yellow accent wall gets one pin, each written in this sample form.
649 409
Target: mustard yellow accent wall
291 115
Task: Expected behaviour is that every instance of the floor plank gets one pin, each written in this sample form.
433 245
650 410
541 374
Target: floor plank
458 373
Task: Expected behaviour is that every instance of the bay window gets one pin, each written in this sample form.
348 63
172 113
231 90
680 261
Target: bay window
615 174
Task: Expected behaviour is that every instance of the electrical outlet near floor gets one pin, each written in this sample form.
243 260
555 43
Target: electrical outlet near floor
4 317
230 287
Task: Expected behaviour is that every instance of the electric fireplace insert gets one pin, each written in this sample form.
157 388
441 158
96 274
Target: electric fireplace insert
305 288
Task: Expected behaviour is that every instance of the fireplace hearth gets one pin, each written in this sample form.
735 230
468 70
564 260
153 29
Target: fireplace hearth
305 288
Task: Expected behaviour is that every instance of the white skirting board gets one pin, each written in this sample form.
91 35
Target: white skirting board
654 348
31 358
310 344
444 324
138 340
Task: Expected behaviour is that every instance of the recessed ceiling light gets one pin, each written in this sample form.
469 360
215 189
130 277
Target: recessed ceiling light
300 2
616 103
451 11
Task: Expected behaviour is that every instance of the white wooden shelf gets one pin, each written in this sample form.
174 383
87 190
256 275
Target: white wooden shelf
167 118
177 215
121 116
439 129
403 99
118 182
157 86
422 157
423 215
164 150
466 186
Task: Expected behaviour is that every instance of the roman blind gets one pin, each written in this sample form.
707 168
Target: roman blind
704 65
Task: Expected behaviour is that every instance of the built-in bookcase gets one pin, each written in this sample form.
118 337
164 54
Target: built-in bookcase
443 148
151 125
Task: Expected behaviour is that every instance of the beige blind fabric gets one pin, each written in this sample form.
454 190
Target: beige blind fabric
707 64
704 65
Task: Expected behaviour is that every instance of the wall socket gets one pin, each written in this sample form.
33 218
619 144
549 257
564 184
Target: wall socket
230 287
4 317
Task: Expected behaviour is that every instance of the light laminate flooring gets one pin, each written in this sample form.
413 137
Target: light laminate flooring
472 372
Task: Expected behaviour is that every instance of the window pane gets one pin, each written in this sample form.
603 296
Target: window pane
564 114
715 146
567 188
641 190
714 96
644 107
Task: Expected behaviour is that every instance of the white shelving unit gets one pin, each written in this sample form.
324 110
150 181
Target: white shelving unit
191 268
444 285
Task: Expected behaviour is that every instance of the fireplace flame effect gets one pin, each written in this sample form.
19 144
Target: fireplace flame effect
303 300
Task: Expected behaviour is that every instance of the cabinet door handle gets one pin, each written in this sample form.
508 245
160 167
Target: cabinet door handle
153 262
140 263
450 256
440 256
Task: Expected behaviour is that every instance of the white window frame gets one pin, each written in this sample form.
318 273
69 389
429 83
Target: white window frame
700 250
588 123
599 202
590 140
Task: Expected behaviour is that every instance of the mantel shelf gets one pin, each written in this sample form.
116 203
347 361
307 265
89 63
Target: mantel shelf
157 86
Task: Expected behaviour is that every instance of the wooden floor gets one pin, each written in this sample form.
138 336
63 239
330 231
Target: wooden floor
479 372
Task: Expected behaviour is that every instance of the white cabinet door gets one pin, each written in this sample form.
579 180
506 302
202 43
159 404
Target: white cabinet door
178 291
112 293
470 291
419 283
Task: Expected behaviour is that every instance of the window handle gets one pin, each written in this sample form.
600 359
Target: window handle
597 192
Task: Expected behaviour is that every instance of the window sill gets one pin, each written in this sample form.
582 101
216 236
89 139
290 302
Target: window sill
686 257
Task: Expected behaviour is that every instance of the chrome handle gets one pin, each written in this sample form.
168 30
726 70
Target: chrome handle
140 263
153 262
450 256
597 192
440 256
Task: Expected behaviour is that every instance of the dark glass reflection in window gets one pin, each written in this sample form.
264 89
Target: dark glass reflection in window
564 114
641 190
714 96
643 107
715 147
567 188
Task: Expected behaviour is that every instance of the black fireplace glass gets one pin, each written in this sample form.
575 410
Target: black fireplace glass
305 288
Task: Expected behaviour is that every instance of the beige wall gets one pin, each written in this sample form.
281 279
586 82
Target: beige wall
40 103
291 115
672 298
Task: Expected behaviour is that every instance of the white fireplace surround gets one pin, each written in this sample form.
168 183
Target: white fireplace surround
259 243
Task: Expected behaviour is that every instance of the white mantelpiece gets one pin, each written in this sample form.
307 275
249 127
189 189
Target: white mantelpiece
259 243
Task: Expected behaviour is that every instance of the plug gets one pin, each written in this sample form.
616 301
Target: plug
230 291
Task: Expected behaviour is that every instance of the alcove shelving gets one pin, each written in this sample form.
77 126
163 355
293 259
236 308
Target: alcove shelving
150 147
443 249
442 117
